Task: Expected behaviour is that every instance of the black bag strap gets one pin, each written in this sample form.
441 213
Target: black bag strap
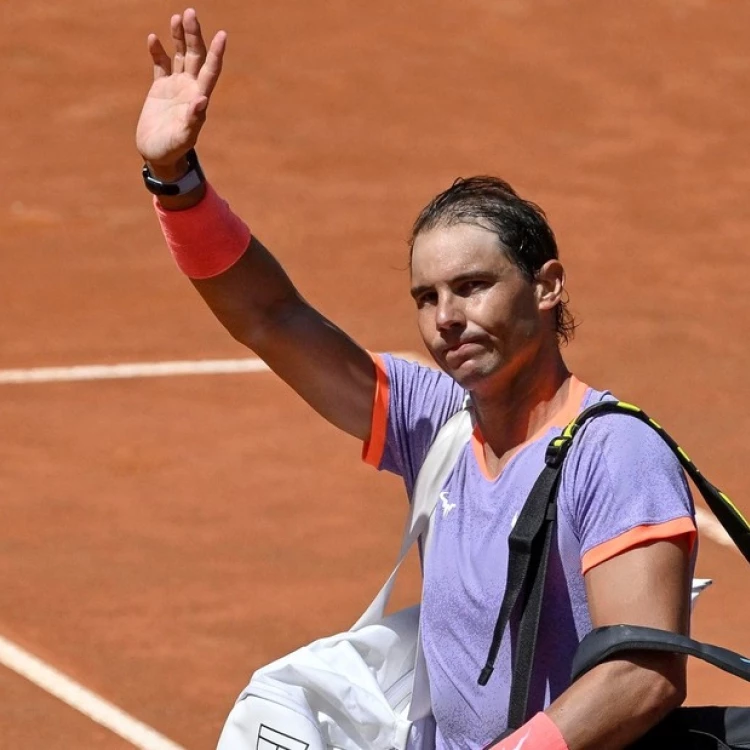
528 629
530 542
522 546
529 546
604 643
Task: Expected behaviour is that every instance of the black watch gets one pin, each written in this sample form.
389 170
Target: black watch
189 181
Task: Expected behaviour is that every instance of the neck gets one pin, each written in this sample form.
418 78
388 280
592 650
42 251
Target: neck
514 408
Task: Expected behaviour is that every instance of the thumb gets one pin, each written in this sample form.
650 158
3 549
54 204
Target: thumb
197 110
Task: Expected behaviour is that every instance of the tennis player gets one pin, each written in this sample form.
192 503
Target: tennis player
488 288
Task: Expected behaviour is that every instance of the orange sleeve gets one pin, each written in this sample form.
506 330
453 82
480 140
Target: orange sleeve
372 450
637 536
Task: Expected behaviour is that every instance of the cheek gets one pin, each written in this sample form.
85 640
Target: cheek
506 317
426 326
527 308
527 321
493 313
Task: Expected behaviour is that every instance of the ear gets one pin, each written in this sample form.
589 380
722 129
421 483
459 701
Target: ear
549 284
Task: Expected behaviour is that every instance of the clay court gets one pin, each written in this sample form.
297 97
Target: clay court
163 537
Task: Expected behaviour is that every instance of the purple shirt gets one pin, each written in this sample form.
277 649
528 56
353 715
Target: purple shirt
620 486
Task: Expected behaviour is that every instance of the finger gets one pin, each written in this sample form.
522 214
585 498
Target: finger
162 62
209 73
178 40
196 48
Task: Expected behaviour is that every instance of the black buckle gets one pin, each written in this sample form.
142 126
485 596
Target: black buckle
559 447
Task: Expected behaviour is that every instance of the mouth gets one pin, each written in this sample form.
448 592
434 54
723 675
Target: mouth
462 349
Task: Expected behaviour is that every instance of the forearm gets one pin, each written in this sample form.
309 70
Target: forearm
609 708
253 298
248 297
311 354
619 701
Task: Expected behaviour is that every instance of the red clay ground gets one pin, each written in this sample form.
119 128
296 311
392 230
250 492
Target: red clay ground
162 539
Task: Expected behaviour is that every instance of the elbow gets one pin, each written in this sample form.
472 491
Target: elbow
649 687
667 695
664 688
242 333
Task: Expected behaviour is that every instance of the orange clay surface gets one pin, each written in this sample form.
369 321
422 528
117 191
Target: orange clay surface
162 538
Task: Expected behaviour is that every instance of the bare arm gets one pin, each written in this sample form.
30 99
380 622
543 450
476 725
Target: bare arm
255 299
620 700
259 306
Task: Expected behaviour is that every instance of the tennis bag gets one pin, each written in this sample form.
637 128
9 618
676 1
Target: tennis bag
686 728
365 688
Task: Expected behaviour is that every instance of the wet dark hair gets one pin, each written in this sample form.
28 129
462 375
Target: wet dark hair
520 225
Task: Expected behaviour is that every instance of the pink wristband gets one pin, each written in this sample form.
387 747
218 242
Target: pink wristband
205 240
539 733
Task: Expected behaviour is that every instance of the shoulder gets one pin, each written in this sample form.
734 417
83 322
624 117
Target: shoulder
622 486
412 403
620 465
621 442
622 482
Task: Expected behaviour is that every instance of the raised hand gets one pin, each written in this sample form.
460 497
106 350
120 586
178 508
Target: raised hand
175 107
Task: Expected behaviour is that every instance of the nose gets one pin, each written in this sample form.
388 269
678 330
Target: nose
449 313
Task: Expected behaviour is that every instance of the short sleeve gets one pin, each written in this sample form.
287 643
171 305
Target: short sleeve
412 402
621 487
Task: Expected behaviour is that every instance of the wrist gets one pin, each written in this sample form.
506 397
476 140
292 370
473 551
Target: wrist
539 733
178 184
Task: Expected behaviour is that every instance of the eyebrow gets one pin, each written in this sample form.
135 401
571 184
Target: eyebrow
415 291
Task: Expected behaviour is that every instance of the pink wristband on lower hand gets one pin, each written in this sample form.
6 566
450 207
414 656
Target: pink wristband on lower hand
539 733
206 239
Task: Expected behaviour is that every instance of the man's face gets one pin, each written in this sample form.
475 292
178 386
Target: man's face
479 317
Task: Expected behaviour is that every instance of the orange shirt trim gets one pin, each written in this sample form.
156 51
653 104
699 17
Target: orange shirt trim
636 537
372 450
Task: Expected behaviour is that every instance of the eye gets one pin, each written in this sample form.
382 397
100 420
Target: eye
472 285
425 299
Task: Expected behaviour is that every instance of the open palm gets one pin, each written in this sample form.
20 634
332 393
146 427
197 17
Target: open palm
175 107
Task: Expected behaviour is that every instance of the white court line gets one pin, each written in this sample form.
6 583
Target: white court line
142 370
78 697
131 370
